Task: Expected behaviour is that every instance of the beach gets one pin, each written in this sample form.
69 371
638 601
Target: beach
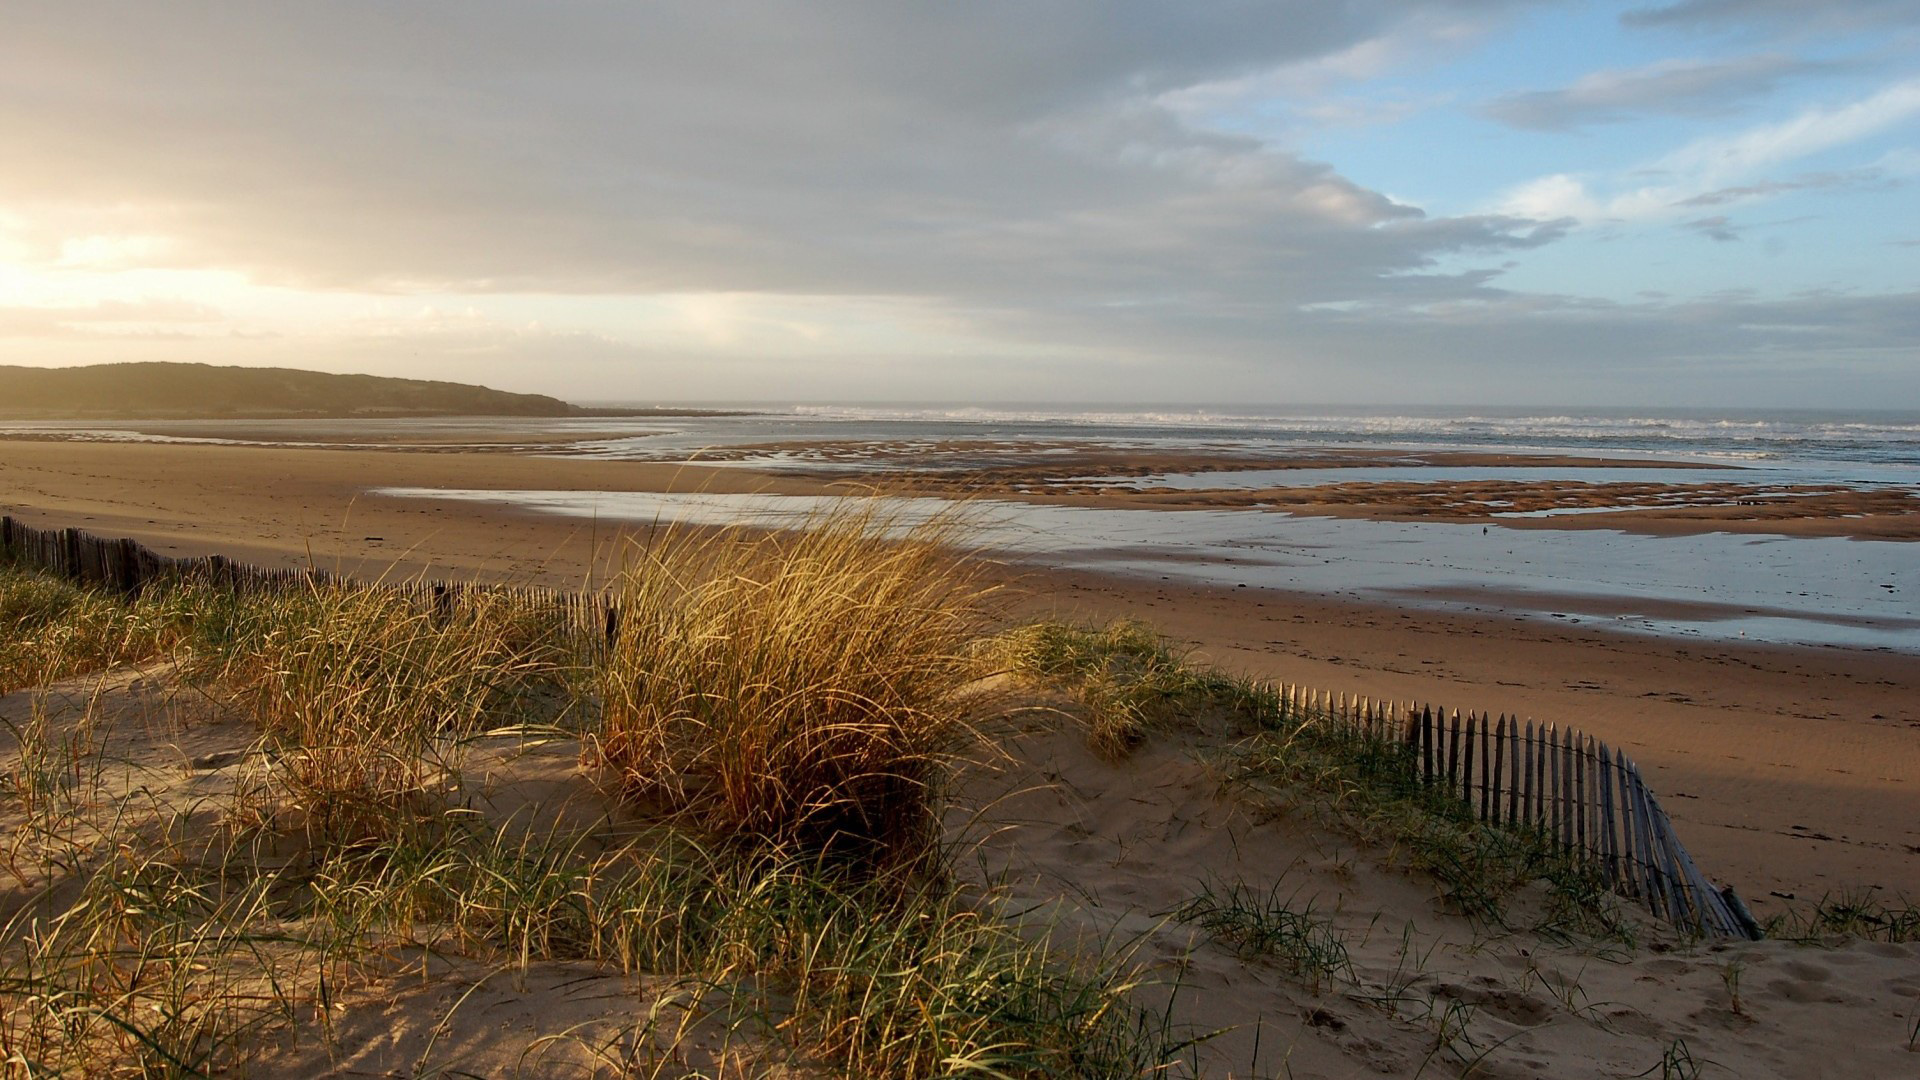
1790 772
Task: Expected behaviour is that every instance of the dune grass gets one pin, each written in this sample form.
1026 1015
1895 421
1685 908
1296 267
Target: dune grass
176 961
1269 924
796 691
1373 792
1861 914
1129 679
52 630
361 689
785 707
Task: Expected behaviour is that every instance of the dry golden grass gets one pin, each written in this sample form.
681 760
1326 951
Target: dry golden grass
50 629
361 688
797 690
789 701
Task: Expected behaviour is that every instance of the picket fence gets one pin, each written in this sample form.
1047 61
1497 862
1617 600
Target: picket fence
1585 797
128 567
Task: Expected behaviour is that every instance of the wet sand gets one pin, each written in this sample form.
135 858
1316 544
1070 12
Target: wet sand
1792 771
1647 507
1110 477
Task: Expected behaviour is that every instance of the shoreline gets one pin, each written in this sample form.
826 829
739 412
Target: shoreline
1787 769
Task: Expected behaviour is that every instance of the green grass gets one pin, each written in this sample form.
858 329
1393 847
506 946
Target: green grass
362 690
174 960
1373 792
1129 679
1270 926
1860 914
51 630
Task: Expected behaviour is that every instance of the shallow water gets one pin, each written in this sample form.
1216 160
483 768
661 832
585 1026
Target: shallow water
1797 590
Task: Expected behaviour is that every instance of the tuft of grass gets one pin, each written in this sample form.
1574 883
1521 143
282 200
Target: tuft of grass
359 688
1858 914
796 691
1269 926
795 694
51 629
1129 678
1131 681
1676 1063
184 959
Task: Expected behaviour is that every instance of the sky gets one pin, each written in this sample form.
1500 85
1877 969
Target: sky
1650 203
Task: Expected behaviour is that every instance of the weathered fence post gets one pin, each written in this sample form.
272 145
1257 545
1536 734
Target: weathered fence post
1609 845
1453 753
1583 747
1466 780
1426 743
1489 790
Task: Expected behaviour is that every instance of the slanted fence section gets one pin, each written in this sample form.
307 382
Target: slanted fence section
1584 797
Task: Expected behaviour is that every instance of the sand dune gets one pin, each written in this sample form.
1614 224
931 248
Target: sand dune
1095 855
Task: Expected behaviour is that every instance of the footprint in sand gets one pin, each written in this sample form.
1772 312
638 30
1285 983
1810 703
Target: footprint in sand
1515 1008
1806 993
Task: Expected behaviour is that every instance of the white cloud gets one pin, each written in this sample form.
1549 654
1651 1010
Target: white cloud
1718 160
1721 165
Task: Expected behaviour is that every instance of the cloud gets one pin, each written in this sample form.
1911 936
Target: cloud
1718 227
825 198
1869 177
1316 92
768 146
110 318
1001 169
1723 168
1691 14
1810 132
1667 87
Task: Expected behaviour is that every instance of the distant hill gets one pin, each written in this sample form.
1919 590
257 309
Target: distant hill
200 391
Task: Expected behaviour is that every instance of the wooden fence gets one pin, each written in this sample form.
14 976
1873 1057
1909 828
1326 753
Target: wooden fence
1583 796
129 567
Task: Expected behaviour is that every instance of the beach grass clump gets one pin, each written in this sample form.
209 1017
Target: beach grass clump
938 987
360 688
148 971
891 975
52 629
1858 914
795 690
1128 677
1270 925
795 693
